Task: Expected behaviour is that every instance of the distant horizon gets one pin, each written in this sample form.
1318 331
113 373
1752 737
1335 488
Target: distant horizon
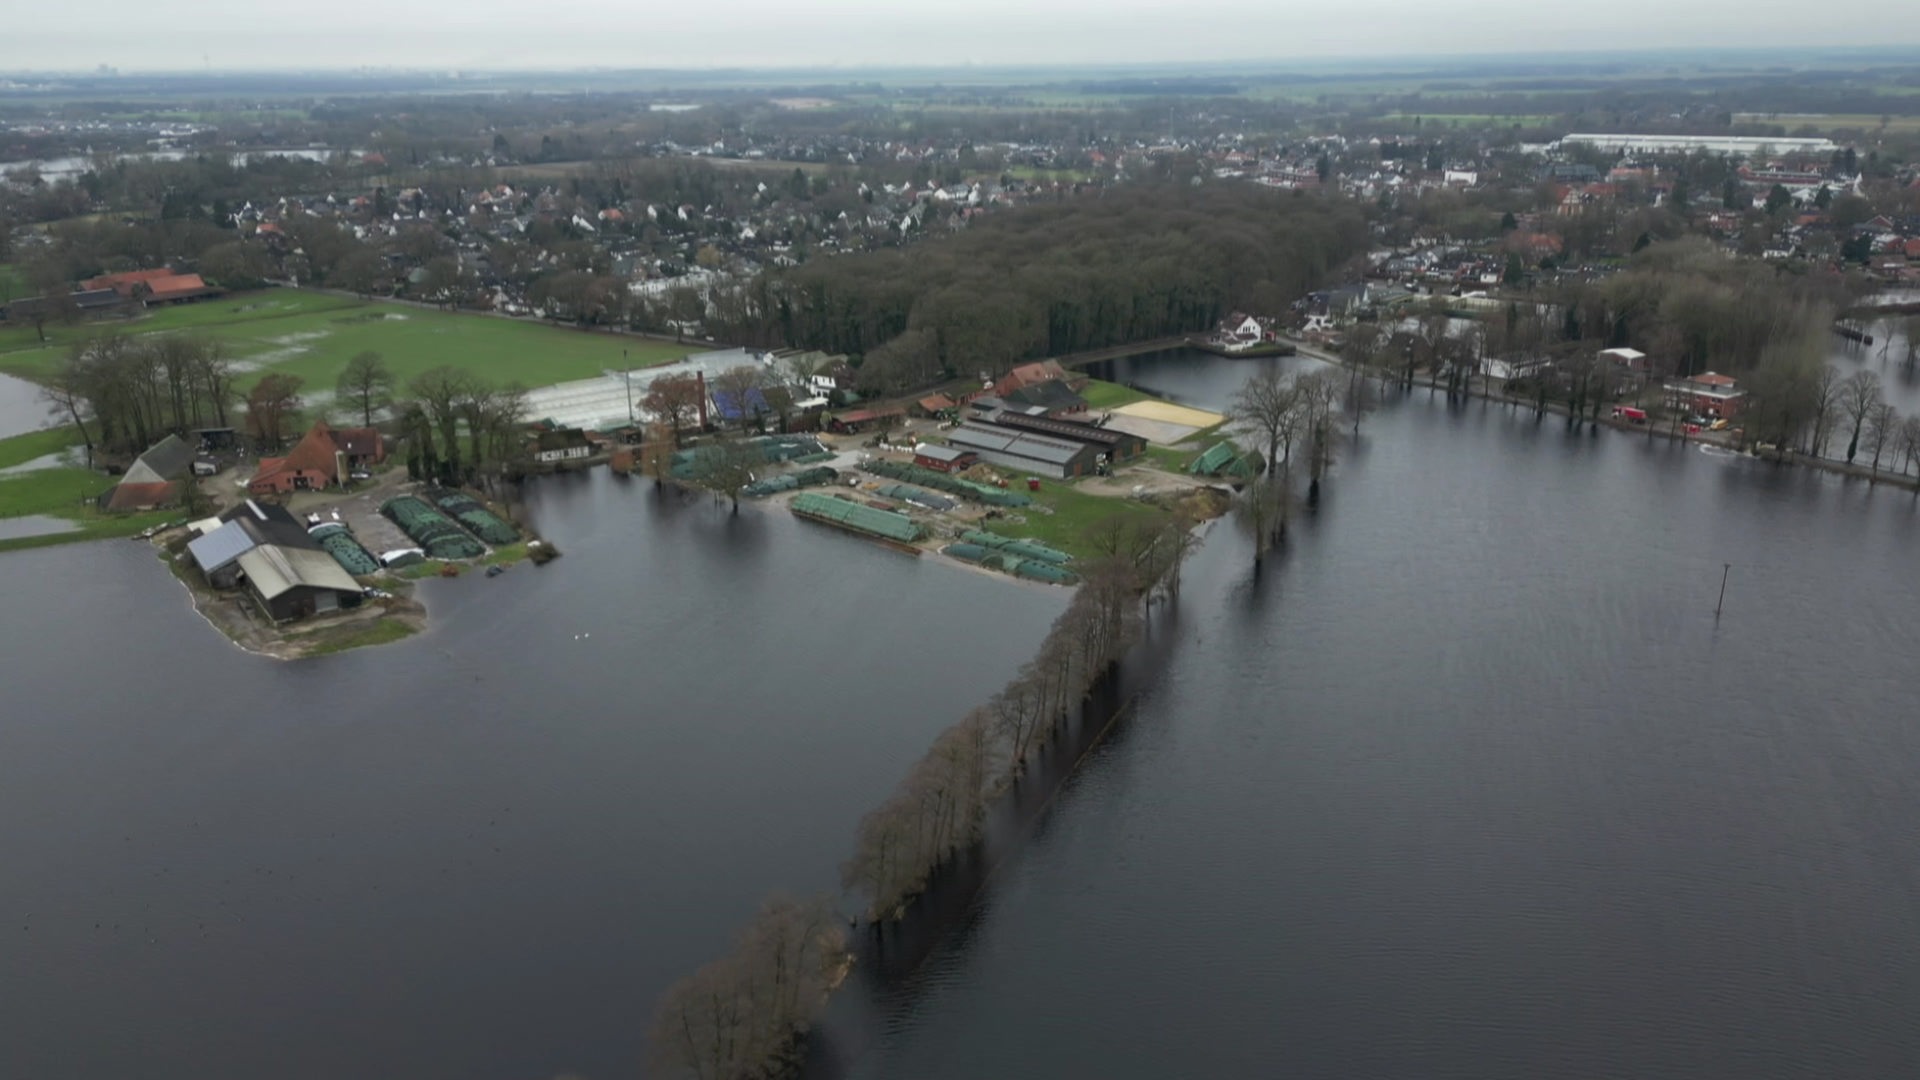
481 36
1808 58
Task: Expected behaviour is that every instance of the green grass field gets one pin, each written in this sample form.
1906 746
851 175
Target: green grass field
1073 515
64 492
1828 122
12 282
313 335
1101 394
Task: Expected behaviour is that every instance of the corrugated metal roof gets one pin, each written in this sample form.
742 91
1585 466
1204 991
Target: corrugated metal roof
274 570
936 452
221 546
1005 440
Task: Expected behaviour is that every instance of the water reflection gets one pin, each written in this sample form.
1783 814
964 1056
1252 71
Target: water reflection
1472 783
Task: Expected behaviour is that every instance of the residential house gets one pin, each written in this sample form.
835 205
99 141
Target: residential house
558 445
1630 359
322 458
1710 394
1239 332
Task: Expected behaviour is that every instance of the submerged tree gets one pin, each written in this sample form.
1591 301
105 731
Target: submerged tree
744 1014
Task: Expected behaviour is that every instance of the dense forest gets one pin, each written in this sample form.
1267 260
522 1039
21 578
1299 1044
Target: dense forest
1135 263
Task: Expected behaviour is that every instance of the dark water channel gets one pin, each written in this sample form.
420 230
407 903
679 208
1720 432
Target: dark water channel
481 853
1472 784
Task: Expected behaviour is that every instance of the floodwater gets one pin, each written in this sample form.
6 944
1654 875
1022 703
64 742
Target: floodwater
1472 783
481 853
15 528
1886 357
21 409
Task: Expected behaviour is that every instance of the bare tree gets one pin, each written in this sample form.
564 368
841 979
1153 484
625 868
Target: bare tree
66 394
1263 511
1883 430
1318 402
1859 396
270 403
1910 444
1269 404
744 1014
367 384
740 386
1826 407
726 466
441 394
675 401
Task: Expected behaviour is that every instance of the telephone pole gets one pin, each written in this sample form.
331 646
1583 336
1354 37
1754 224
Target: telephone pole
1725 569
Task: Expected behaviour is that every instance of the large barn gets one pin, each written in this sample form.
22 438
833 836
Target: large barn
1026 451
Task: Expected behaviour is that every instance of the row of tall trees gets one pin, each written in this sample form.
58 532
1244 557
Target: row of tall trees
939 809
444 404
122 393
744 1014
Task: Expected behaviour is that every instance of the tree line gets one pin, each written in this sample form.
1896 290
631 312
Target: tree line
1138 262
123 393
744 1015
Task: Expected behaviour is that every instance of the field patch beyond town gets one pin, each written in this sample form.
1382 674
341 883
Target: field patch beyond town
313 335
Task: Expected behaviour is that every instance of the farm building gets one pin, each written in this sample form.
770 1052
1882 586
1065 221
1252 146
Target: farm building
225 539
564 444
293 583
1116 444
151 481
322 457
855 421
1024 450
946 459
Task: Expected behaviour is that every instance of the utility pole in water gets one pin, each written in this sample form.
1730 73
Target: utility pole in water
1725 568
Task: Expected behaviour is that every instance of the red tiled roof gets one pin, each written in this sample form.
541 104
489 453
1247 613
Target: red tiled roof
359 442
175 285
314 453
124 283
136 496
936 402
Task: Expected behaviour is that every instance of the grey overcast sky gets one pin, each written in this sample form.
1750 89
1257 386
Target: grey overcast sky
251 34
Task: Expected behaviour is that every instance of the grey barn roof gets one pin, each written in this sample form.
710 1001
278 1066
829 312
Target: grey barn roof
273 570
973 436
1067 430
220 547
940 453
168 459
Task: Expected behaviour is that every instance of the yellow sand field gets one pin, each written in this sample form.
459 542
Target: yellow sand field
1167 412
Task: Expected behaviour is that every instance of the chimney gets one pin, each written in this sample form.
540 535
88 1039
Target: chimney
700 379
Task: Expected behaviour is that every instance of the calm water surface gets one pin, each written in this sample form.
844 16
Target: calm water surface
480 853
21 409
1472 784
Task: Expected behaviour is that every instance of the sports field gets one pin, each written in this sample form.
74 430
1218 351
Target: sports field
313 335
